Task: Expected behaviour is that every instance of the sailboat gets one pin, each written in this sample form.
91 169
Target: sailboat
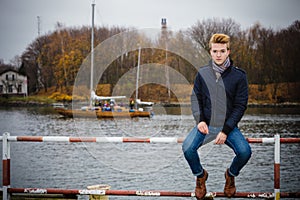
141 105
109 110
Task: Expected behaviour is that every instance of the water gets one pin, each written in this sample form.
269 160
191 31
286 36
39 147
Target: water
132 166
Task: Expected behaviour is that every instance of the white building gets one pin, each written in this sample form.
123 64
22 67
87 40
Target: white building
13 83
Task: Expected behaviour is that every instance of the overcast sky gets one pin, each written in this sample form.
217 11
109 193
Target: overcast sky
19 23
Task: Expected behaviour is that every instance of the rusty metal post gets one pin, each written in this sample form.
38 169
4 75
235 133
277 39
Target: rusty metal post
277 167
5 166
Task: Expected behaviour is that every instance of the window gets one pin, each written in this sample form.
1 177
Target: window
7 77
19 88
13 77
1 88
10 88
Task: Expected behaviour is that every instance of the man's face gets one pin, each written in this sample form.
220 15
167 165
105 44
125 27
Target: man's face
219 53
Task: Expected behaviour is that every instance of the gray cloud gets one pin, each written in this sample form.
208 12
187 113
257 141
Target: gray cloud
18 19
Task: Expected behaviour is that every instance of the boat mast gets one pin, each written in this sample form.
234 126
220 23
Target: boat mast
92 55
165 38
137 79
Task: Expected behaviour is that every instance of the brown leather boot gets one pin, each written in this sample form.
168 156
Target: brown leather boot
200 190
229 188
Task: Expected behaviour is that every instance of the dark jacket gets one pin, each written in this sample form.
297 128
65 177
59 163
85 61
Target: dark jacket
220 102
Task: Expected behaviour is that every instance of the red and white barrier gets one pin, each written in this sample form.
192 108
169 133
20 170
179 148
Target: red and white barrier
94 139
127 139
156 193
6 139
5 165
277 167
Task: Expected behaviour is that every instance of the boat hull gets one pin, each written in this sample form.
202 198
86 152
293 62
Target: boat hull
101 114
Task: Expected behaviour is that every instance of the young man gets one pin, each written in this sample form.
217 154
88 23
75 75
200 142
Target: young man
219 100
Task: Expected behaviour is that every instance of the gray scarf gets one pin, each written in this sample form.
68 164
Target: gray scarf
221 68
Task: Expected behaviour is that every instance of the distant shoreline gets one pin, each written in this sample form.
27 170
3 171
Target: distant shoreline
175 104
250 105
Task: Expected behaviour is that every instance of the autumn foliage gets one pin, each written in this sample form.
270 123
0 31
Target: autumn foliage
269 57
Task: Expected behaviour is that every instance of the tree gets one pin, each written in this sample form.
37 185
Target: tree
202 31
55 58
16 61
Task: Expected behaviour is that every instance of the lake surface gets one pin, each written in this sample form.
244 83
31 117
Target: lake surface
132 166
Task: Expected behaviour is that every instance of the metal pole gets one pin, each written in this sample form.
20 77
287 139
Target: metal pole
92 55
128 139
147 193
137 78
5 166
277 167
39 25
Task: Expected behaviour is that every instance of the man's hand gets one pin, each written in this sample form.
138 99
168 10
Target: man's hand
221 138
203 128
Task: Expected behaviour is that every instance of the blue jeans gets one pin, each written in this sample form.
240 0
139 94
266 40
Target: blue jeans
235 140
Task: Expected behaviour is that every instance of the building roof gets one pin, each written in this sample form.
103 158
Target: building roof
7 68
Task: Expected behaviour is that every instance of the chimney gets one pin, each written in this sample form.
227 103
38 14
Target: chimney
163 23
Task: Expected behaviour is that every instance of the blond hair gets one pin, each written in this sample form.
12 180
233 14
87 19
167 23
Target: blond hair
220 38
